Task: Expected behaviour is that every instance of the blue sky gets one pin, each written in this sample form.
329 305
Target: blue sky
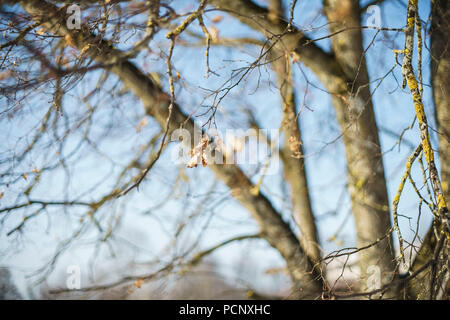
221 217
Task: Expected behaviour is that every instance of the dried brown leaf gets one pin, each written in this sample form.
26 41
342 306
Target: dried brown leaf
217 19
69 40
141 124
214 32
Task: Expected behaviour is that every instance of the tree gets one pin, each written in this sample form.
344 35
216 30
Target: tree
56 51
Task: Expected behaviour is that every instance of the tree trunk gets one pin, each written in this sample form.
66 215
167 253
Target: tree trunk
306 283
293 161
344 74
421 286
366 178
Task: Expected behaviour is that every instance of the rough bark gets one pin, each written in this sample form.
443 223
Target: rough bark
274 230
